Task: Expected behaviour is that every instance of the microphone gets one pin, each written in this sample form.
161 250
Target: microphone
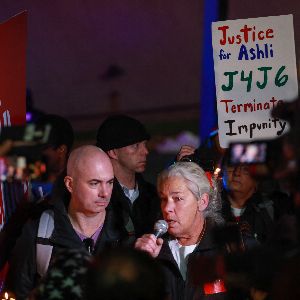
160 228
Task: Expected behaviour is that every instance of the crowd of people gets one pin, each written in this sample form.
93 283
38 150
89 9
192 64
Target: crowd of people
87 230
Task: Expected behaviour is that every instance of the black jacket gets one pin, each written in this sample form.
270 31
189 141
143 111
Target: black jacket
139 217
260 214
23 277
201 269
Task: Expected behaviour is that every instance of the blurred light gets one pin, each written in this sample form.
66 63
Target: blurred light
28 116
217 171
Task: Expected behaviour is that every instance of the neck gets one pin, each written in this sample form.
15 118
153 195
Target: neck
239 200
125 176
196 236
86 225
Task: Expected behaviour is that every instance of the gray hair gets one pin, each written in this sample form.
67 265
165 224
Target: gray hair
198 183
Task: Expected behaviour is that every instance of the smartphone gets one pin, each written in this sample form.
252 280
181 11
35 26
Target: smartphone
248 153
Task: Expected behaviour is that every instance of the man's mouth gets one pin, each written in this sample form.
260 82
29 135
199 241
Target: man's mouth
102 203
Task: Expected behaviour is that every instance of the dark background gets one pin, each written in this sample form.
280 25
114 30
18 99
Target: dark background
88 58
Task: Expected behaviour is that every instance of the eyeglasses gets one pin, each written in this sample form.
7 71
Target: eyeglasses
243 169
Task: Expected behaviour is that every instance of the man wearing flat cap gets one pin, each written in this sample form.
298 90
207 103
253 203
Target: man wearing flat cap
135 201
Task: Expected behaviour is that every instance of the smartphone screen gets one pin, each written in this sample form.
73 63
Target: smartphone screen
248 153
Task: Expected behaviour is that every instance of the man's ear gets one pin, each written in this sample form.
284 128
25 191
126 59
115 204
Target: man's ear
112 154
203 202
69 183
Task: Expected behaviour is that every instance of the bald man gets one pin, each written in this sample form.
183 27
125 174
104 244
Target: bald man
81 221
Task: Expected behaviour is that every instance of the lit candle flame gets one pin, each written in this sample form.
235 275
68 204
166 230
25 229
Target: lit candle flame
217 171
6 297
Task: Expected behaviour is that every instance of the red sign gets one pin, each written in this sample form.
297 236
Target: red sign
13 37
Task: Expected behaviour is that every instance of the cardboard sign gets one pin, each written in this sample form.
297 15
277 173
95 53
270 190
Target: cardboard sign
255 70
13 70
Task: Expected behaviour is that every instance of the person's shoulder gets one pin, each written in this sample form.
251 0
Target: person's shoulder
279 196
38 208
117 195
28 232
282 202
146 185
117 186
113 223
114 231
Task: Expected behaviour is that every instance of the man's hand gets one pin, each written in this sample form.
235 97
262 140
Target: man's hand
150 244
185 150
5 147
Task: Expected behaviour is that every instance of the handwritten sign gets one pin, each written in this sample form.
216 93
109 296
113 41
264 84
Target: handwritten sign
255 70
12 72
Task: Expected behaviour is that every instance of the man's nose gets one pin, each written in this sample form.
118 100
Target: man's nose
237 170
144 149
104 191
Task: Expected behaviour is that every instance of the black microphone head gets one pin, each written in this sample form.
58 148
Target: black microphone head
160 228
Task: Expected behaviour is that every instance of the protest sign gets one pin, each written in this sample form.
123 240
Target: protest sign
12 80
12 72
255 70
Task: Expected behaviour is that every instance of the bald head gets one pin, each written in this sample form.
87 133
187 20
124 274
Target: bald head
85 156
89 180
